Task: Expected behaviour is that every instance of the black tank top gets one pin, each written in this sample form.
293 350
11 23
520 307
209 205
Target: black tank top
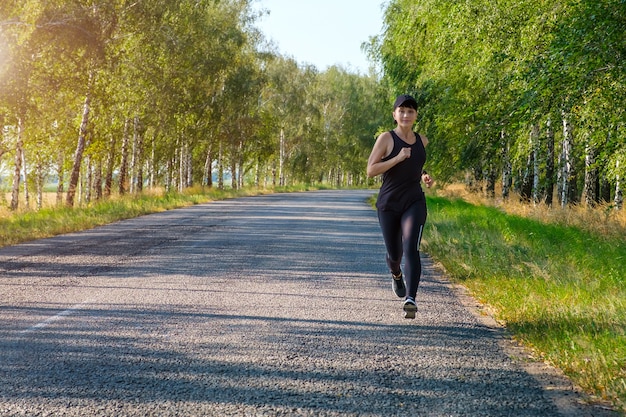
402 183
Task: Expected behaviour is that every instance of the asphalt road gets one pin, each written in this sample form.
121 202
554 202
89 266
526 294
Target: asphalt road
277 305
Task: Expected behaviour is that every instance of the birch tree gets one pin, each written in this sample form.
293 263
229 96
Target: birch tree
17 173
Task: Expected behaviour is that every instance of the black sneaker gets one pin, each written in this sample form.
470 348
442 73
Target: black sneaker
397 283
410 308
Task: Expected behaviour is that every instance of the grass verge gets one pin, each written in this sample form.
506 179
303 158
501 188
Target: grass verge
29 225
560 289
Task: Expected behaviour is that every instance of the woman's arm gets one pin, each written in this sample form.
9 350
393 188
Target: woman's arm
382 148
425 176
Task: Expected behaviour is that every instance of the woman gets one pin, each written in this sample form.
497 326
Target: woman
399 155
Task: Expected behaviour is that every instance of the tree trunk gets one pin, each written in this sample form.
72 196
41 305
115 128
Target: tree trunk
189 165
566 160
39 179
491 175
220 167
80 148
233 173
507 177
138 164
97 180
281 160
89 181
25 176
240 166
135 163
108 180
536 146
15 194
590 189
257 173
170 174
274 174
208 174
604 194
526 191
124 163
153 161
619 198
182 168
133 159
549 188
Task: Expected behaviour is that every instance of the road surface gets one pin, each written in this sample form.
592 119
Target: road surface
277 305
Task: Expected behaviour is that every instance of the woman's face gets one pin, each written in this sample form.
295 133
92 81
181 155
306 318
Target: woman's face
405 116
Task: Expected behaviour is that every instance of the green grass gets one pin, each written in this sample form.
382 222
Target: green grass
559 289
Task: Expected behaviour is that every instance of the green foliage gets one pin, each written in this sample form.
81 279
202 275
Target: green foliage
561 290
486 67
180 92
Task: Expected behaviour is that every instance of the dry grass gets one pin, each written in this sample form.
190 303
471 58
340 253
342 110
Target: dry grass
603 220
48 201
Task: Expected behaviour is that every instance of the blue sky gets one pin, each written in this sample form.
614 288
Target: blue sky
322 32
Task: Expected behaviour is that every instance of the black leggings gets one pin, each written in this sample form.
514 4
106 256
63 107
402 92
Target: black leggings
402 233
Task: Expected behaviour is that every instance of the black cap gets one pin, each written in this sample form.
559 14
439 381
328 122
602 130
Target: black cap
406 100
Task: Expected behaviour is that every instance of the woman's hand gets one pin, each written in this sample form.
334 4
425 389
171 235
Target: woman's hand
427 179
405 153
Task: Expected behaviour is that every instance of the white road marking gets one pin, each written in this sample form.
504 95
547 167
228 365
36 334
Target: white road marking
54 318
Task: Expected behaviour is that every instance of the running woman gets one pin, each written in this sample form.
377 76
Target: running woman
399 155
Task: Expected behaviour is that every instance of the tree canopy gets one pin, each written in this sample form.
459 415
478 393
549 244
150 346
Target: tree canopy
111 96
115 95
495 78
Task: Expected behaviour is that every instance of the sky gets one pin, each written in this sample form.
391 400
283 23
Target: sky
322 32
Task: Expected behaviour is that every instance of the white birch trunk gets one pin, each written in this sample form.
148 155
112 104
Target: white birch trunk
591 175
281 160
507 177
549 163
97 180
535 143
17 173
25 176
124 164
88 181
257 175
189 173
80 147
136 171
527 180
108 180
153 162
566 160
132 171
619 198
181 168
208 171
39 179
240 164
220 167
